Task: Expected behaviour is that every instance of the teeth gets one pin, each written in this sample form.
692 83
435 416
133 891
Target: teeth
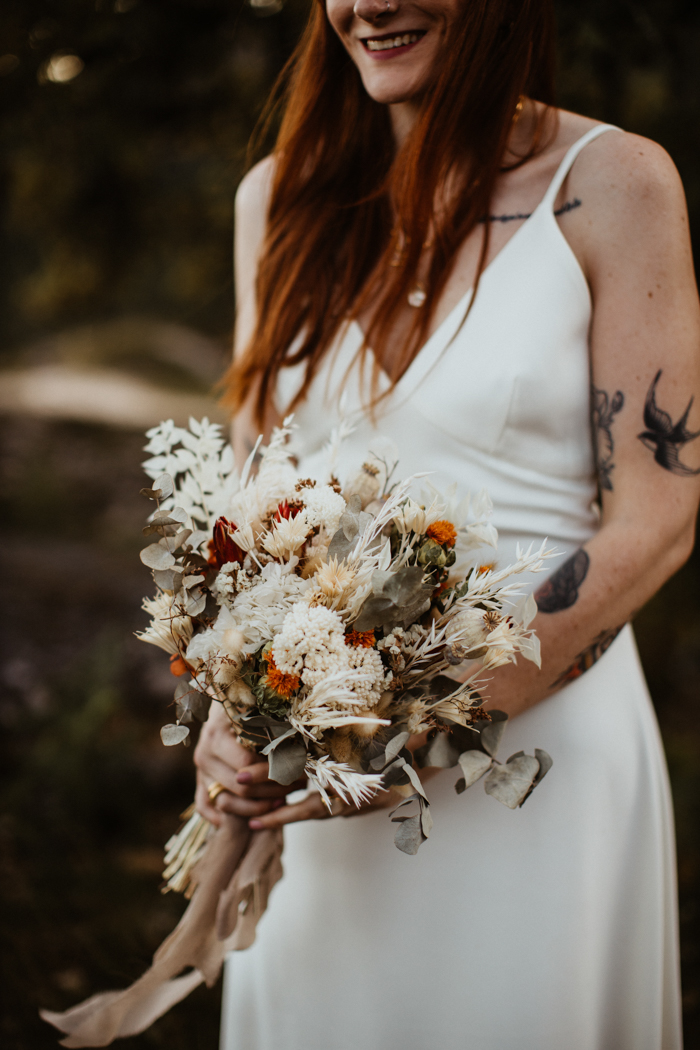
396 41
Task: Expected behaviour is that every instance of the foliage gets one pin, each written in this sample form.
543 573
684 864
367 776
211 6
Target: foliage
119 183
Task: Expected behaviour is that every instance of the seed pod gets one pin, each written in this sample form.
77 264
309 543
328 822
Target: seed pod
466 634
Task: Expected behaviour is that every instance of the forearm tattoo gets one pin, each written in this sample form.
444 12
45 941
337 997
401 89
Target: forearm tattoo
665 438
585 660
603 411
560 591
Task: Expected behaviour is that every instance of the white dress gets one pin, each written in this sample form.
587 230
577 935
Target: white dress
553 927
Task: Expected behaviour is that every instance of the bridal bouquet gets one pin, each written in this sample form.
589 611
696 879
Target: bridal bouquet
328 619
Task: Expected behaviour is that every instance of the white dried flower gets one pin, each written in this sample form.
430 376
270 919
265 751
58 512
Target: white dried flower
218 649
344 781
467 632
368 662
324 507
365 484
311 644
287 536
412 517
231 579
260 610
169 629
333 579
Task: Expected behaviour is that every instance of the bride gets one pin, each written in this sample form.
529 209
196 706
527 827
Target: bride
503 292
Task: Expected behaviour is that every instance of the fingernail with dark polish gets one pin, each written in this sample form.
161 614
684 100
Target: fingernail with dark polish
278 803
255 825
244 778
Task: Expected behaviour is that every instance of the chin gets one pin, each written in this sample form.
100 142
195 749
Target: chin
391 90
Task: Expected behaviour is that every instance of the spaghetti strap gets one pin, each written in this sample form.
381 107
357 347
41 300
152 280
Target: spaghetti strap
567 163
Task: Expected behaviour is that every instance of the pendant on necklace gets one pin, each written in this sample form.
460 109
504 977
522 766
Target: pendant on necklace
417 296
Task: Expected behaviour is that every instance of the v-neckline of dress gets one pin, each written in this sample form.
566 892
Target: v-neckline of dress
449 317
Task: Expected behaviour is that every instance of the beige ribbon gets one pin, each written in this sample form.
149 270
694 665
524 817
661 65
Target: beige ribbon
234 879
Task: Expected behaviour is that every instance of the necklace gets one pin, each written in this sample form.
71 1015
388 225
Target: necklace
417 296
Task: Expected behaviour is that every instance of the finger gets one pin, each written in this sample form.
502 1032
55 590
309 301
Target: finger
243 807
230 751
204 806
257 773
311 808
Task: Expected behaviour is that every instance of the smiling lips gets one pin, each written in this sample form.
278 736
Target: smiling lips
394 43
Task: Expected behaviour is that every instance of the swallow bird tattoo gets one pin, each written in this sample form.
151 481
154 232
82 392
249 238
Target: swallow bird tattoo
603 410
664 437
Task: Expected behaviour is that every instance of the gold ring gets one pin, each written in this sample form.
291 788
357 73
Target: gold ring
214 790
337 806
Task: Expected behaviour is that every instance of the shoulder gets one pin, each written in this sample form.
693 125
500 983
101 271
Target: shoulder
252 204
634 215
253 193
620 171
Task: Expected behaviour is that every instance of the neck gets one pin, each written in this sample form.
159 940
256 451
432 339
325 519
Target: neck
403 116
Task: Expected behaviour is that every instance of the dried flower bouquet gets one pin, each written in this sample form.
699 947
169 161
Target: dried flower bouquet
327 619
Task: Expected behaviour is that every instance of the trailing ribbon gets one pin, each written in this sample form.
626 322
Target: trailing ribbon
234 878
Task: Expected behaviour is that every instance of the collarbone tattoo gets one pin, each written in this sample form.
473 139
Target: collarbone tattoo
519 216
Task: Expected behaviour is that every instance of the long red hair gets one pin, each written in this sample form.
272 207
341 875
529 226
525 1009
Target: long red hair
349 216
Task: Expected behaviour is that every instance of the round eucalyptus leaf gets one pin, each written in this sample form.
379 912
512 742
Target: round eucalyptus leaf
473 765
172 734
511 783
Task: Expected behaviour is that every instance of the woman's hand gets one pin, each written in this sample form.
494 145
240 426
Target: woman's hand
248 792
313 807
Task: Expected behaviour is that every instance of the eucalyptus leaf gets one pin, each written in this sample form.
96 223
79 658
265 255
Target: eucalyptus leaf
398 597
511 783
345 538
413 830
157 557
415 780
195 602
395 773
161 526
394 746
492 733
191 703
172 734
164 486
287 762
180 538
409 835
278 740
546 763
440 752
473 765
168 579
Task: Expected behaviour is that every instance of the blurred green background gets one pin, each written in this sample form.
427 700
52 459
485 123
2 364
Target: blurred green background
123 126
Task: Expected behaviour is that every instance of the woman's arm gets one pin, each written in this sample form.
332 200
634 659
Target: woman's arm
252 202
633 243
218 756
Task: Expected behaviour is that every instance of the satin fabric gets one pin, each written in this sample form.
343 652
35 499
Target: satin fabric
550 927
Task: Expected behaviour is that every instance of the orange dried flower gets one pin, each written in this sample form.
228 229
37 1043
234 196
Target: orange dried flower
485 568
283 684
360 639
443 532
178 666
